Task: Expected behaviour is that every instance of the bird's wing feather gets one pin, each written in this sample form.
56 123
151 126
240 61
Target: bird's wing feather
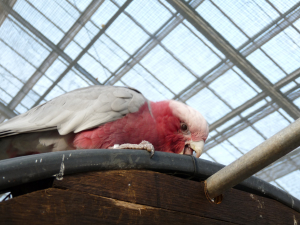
77 110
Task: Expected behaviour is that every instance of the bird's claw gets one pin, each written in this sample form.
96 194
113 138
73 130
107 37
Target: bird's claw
144 145
152 153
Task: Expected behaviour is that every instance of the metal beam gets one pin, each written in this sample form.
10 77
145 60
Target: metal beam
253 161
57 50
211 34
3 13
2 117
246 49
6 111
74 62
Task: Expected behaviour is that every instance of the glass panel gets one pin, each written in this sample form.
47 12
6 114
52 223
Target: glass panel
268 68
37 20
224 153
30 99
271 124
246 139
127 34
291 182
18 66
9 83
284 48
108 53
42 85
23 43
209 105
167 69
284 6
150 14
141 80
223 25
190 50
232 89
56 91
251 16
71 81
61 13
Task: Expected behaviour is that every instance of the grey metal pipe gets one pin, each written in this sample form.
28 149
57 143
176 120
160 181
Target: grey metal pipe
264 154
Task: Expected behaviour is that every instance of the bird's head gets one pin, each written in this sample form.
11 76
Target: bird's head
181 129
193 128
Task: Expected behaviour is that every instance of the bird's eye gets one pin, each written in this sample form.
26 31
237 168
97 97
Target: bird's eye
183 127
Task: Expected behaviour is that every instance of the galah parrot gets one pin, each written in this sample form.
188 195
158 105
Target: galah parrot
102 117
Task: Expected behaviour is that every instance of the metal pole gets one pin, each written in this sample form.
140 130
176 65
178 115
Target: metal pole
264 154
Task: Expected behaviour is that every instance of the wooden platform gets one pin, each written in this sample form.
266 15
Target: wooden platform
139 197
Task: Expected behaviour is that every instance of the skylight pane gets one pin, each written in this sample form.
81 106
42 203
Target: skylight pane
224 153
167 69
150 14
22 43
94 68
61 13
232 89
86 34
265 65
56 69
228 123
290 182
141 80
30 99
284 6
18 66
190 50
253 108
271 124
108 53
9 83
104 13
246 139
42 85
37 20
246 78
72 81
6 98
73 50
80 5
21 109
127 34
204 39
288 87
222 24
251 16
284 48
56 91
297 102
209 105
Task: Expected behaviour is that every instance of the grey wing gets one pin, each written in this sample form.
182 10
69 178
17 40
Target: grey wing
77 110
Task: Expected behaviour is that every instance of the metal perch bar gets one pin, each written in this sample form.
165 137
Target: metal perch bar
264 154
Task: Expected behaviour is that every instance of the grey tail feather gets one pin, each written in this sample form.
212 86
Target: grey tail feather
150 110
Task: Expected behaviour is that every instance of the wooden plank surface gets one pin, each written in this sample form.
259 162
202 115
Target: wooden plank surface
58 206
176 194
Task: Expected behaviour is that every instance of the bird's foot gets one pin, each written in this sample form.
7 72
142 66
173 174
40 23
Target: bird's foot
144 145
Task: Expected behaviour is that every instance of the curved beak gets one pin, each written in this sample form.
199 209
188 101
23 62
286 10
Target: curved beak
197 146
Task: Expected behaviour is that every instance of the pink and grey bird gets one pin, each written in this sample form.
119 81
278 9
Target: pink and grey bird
102 117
